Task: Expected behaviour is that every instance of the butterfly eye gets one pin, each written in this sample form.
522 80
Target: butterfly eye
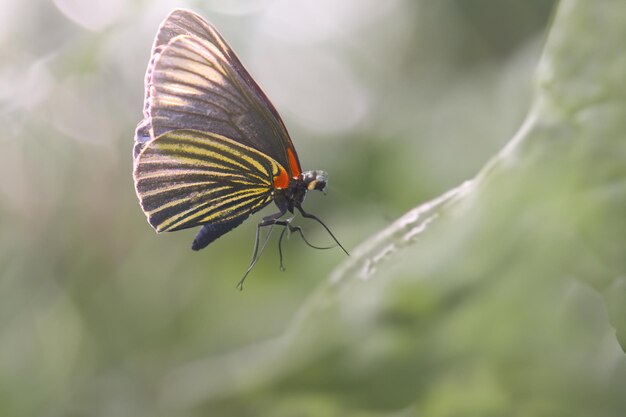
314 180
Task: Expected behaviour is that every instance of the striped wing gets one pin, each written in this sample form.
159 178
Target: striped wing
195 81
186 178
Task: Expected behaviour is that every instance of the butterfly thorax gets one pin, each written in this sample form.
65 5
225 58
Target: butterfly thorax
287 199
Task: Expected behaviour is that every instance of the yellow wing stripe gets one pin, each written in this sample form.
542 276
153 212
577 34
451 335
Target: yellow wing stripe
234 177
191 151
180 187
245 211
220 152
212 197
216 214
188 155
186 178
184 199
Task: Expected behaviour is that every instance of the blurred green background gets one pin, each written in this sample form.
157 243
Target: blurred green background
500 310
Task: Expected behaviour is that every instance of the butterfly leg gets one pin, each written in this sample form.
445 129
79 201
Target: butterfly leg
280 249
286 227
314 217
271 221
293 229
298 229
274 220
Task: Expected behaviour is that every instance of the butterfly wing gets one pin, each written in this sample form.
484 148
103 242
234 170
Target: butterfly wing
195 81
186 178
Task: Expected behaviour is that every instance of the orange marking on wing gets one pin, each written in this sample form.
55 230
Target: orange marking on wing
281 180
293 163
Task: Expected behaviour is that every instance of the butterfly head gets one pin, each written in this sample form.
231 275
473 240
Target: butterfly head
315 180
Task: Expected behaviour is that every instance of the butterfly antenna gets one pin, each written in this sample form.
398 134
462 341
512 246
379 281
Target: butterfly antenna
298 229
314 217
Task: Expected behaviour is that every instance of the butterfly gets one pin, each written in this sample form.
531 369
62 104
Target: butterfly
211 149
